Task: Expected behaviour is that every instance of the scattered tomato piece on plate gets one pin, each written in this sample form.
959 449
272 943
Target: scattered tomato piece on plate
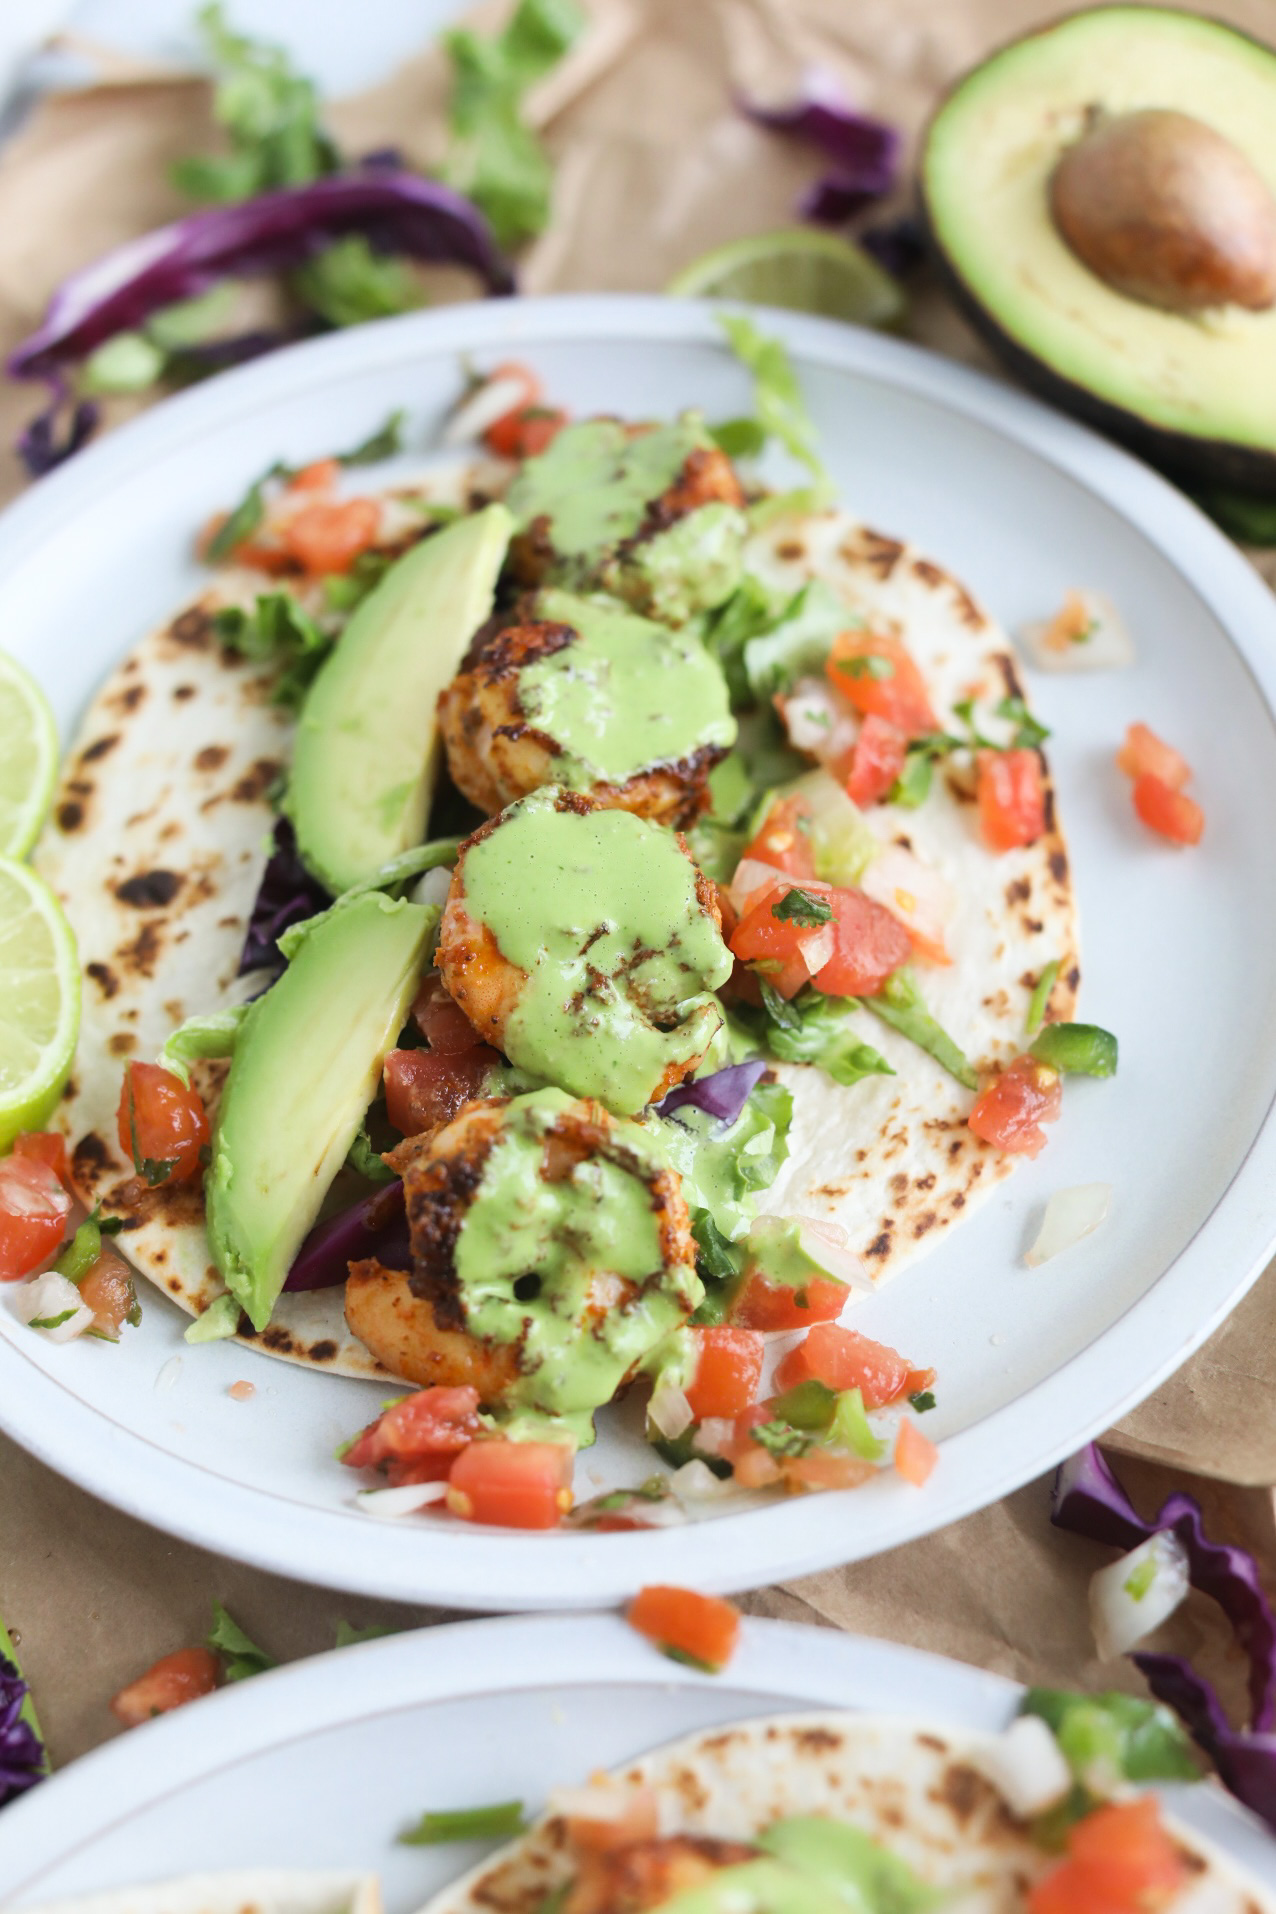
700 1629
728 1371
1145 755
915 1454
1170 813
169 1683
844 1359
516 1485
1010 1111
418 1438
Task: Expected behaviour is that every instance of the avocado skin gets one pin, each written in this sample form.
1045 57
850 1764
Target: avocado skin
1181 455
1185 456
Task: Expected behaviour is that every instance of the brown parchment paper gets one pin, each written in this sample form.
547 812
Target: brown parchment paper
653 165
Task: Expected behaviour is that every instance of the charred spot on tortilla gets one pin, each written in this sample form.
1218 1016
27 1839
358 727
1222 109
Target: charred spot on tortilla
89 1158
873 550
257 782
193 628
99 748
211 757
1018 891
70 816
149 890
791 549
104 977
139 957
122 1043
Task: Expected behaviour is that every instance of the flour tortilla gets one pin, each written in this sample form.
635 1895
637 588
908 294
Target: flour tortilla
161 831
917 1789
255 1891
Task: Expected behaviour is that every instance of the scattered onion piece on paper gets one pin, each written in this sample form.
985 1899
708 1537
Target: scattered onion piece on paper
1137 1592
1087 633
1070 1215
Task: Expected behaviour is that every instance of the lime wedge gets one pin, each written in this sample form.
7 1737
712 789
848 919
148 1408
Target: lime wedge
28 758
39 1000
805 270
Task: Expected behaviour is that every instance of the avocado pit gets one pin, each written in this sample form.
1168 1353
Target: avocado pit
1165 210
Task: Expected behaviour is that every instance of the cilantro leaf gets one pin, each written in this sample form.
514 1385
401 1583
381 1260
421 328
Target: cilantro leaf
243 1657
923 1400
781 1439
802 907
276 631
816 1029
270 114
1029 733
349 283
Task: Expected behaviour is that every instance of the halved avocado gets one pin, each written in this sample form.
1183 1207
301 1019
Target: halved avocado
1193 391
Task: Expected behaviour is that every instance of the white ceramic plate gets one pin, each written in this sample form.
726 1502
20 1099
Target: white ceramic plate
1176 948
324 1763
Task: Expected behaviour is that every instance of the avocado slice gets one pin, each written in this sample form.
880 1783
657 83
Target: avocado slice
367 752
307 1062
1193 393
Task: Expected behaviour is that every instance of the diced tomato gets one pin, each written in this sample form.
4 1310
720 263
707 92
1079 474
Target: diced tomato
162 1124
515 1485
328 536
108 1291
794 952
703 1628
261 556
34 1207
1012 798
843 1359
526 431
878 759
766 1305
783 840
1120 1861
638 1820
424 1088
1144 755
320 476
893 689
728 1372
441 1021
870 944
1172 813
915 1454
45 1146
824 1469
170 1683
1010 1112
528 388
417 1438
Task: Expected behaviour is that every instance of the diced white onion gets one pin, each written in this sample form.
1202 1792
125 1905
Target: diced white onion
817 720
826 1245
392 1503
603 1799
1070 1215
751 878
669 1411
47 1297
432 887
1051 645
914 892
715 1434
1135 1594
492 400
1025 1766
696 1482
817 949
843 842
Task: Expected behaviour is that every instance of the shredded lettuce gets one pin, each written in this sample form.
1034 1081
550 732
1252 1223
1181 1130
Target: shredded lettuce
798 643
277 631
815 1029
494 157
242 1655
899 1003
777 395
210 1036
498 1822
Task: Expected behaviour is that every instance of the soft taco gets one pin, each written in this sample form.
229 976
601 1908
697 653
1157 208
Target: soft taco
557 921
815 1814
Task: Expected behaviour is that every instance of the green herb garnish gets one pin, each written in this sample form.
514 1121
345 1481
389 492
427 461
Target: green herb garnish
1076 1049
1039 1002
495 1823
802 907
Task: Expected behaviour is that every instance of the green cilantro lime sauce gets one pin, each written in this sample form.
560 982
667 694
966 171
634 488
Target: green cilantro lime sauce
811 1864
531 1255
627 695
774 1248
601 911
597 479
726 1171
693 565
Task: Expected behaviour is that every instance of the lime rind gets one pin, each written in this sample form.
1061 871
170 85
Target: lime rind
798 268
38 959
28 755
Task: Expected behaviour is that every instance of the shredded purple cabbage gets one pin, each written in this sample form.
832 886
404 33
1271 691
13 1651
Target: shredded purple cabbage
398 211
287 895
864 151
898 245
723 1095
22 1758
46 442
1088 1499
376 1226
214 355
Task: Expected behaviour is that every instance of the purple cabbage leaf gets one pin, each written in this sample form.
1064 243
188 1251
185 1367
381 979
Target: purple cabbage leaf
722 1095
1088 1500
23 1761
863 152
375 1226
57 433
286 895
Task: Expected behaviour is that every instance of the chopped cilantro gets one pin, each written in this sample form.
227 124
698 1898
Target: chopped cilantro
923 1400
802 907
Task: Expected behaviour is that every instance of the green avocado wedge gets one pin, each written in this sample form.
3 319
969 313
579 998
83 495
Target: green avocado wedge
368 749
307 1062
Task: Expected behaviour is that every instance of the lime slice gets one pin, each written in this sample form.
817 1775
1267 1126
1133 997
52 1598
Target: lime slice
39 1000
800 268
28 758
